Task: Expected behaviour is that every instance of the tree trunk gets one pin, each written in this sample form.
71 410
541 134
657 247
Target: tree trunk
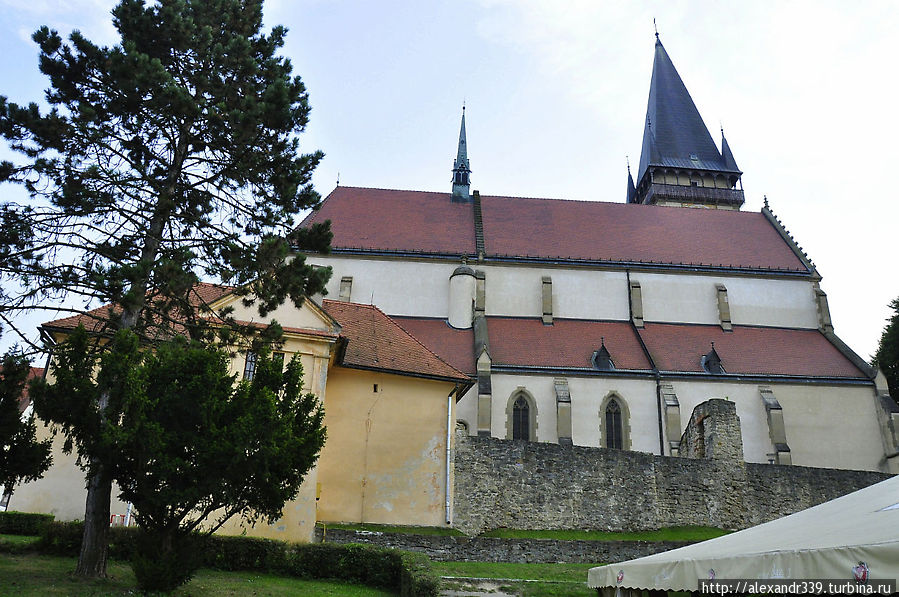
95 541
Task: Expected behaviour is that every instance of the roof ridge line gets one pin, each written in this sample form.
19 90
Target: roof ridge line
787 237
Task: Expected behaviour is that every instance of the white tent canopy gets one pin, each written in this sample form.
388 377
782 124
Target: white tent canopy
823 542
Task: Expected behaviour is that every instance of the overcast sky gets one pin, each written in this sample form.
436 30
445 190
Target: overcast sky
556 98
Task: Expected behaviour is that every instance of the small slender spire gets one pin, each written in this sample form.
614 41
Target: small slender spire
461 168
631 188
654 26
727 155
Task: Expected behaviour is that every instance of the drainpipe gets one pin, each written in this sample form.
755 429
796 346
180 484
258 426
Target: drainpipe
655 370
449 437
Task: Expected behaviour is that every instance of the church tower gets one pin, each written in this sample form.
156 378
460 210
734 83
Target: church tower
461 169
680 164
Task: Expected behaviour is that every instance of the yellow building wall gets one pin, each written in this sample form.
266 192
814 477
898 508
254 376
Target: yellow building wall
62 492
385 457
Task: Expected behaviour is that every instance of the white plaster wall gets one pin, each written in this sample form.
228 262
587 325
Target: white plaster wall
587 395
692 298
416 288
753 422
544 393
781 303
467 410
831 426
826 426
577 293
421 288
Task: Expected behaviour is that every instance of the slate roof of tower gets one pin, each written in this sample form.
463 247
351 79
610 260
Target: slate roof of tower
674 130
419 222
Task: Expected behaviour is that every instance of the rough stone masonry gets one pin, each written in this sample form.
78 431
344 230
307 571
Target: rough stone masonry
528 485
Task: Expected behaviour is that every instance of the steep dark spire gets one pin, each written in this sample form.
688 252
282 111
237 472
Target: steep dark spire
461 169
678 146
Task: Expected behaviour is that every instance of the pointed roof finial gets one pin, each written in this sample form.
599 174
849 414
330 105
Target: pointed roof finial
654 26
627 159
766 202
461 167
338 179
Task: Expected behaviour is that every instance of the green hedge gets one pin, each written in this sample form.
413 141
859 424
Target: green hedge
408 573
23 523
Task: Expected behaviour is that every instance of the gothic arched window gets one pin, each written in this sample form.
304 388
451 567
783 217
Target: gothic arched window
521 428
614 429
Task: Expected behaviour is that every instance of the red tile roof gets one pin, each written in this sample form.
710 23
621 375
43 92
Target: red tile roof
454 346
96 319
424 222
747 350
375 341
570 343
397 221
597 231
24 400
566 343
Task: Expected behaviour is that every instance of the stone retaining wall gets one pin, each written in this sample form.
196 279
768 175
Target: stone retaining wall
492 549
528 485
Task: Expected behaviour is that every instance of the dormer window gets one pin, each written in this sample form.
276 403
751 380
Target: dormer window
711 362
602 360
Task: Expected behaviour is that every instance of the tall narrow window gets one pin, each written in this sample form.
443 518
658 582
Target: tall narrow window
249 368
614 435
520 419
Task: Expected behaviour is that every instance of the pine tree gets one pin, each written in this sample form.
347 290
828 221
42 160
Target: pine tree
183 441
169 155
887 355
22 456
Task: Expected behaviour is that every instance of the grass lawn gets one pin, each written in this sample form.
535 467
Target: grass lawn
559 580
668 534
383 528
18 539
555 572
36 576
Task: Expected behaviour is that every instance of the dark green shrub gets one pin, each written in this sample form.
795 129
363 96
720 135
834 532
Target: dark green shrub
61 539
417 578
159 569
165 560
23 523
244 553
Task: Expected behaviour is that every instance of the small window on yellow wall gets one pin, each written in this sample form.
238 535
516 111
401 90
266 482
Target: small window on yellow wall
249 367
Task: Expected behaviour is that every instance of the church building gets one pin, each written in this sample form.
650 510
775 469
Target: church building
584 323
604 323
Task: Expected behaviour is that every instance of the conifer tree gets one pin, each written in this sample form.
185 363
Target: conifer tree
188 446
887 355
22 456
167 156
